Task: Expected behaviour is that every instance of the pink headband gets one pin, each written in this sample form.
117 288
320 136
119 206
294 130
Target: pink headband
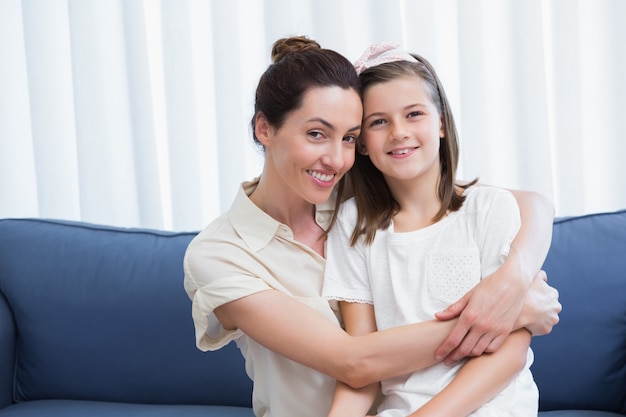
381 53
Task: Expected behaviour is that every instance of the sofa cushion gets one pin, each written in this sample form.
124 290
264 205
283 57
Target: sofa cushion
577 413
101 314
65 408
582 363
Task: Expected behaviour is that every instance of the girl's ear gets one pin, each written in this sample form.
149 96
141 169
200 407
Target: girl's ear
360 147
262 129
442 129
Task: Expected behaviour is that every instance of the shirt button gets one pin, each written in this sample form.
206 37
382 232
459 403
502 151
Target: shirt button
322 218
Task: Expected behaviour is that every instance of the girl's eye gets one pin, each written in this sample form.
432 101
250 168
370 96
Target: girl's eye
377 122
415 114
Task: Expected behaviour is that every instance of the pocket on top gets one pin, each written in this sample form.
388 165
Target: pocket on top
452 273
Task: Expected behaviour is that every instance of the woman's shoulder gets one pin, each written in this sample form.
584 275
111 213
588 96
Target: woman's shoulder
480 198
220 258
212 238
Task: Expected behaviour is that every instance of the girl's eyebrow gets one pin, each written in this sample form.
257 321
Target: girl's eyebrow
407 107
375 114
414 105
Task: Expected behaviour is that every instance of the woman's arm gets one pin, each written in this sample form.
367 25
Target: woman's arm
480 379
359 320
532 242
300 333
488 312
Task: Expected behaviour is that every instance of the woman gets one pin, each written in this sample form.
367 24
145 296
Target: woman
255 274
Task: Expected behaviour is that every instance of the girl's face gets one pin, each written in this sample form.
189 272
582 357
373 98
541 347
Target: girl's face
402 129
315 146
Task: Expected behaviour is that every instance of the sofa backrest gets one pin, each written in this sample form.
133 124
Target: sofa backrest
582 363
100 313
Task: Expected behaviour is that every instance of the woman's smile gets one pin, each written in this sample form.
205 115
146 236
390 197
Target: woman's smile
323 179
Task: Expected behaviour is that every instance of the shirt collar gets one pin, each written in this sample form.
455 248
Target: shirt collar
257 228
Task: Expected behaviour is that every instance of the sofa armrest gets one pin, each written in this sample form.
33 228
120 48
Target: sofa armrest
7 353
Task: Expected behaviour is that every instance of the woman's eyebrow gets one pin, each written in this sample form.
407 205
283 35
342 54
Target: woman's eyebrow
330 125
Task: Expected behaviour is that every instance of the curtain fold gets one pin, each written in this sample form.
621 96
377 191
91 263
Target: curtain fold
136 113
18 180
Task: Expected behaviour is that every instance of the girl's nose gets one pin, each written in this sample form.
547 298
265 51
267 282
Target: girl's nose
398 130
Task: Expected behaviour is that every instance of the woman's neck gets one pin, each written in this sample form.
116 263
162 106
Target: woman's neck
288 208
280 202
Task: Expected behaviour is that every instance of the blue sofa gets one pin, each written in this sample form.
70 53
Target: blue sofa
94 322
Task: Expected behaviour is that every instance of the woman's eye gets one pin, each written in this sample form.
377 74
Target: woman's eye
316 135
350 139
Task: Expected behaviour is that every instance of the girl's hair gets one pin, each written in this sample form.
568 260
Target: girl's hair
298 64
375 203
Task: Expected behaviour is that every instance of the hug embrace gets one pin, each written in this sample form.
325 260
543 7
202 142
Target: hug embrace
357 263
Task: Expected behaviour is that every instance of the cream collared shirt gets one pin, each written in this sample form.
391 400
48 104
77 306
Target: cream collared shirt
243 252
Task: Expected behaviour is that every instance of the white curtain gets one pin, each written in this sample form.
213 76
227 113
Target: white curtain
136 112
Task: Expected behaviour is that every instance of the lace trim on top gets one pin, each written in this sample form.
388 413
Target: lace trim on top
348 300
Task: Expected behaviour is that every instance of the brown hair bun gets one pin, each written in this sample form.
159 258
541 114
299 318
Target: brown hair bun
285 46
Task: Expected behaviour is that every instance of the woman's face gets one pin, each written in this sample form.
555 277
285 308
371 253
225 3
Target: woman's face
315 146
402 129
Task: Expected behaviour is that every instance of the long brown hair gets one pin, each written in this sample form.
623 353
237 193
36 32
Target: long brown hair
375 203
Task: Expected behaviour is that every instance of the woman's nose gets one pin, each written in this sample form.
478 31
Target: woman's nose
333 158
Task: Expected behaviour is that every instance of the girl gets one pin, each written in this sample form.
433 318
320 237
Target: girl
412 241
254 275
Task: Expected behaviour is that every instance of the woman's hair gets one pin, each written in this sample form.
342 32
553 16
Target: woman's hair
298 64
375 203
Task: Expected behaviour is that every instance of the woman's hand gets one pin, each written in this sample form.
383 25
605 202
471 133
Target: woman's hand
487 315
541 307
510 296
489 312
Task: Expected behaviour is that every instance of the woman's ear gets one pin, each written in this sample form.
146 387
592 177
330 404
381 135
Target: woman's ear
262 129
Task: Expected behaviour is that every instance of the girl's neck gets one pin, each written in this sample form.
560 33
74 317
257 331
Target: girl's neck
419 203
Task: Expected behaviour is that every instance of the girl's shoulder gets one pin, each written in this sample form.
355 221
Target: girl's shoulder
347 211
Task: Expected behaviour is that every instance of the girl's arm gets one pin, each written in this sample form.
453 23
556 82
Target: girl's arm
488 312
300 333
359 319
480 379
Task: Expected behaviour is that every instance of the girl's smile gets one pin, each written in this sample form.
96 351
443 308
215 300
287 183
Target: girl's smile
400 153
